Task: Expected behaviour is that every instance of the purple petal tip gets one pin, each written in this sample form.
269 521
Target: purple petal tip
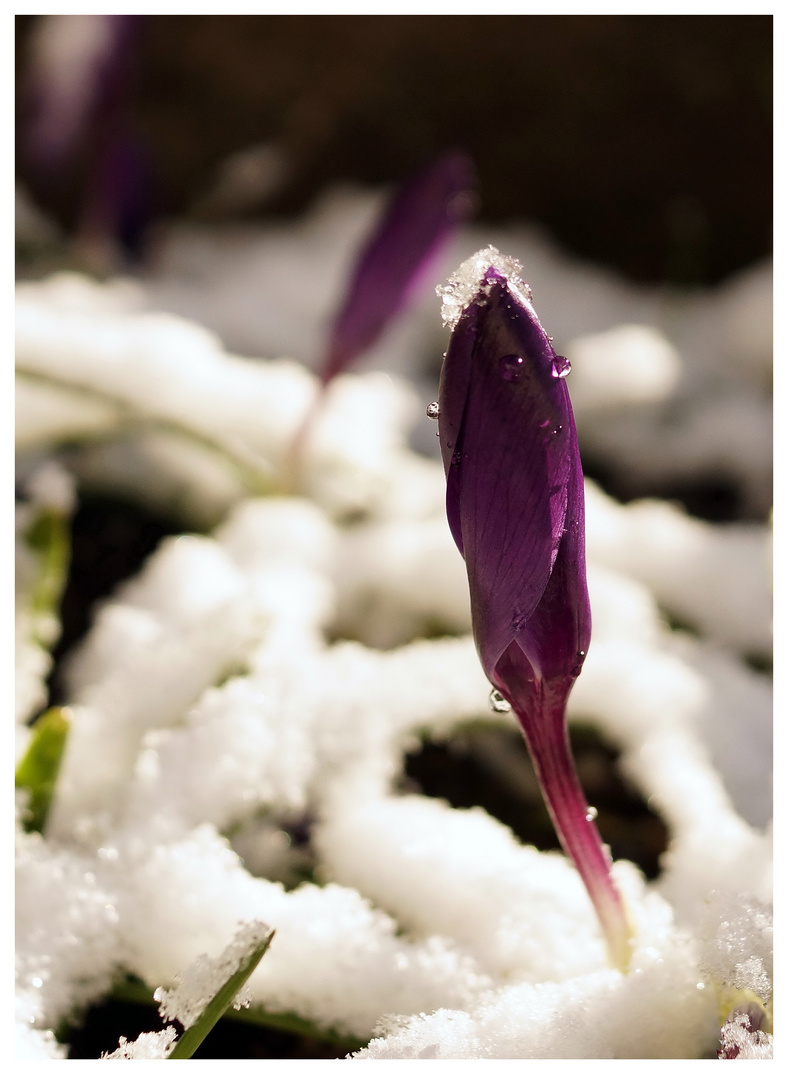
418 220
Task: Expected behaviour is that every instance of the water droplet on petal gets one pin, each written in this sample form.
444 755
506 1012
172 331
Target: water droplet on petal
498 702
561 367
591 813
578 665
433 410
510 367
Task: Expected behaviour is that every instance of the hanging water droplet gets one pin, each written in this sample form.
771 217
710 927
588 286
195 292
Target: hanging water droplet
561 367
510 367
591 813
433 410
498 702
579 658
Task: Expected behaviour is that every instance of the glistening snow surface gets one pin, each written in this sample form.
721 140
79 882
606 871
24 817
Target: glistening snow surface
201 980
463 284
216 707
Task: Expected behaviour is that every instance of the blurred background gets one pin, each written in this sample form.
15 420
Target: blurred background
641 142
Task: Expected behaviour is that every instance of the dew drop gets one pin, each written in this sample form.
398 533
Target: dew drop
510 367
561 367
557 429
498 702
456 458
433 410
591 813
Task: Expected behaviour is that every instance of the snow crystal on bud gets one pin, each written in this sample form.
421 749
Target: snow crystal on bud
201 980
738 1041
464 283
150 1044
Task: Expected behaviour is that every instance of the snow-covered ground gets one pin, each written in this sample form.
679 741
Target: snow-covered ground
271 661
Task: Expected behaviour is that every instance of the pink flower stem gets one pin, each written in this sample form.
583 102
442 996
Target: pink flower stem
548 744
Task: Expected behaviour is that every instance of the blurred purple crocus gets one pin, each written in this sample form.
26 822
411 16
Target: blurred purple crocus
514 502
420 217
415 224
77 140
79 71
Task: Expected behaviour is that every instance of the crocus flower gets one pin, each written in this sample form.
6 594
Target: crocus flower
76 134
514 502
418 220
421 216
78 71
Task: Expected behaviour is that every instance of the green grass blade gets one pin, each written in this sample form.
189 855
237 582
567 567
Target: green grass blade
49 538
38 770
218 1005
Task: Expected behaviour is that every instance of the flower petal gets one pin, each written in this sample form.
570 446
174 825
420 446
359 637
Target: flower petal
78 75
418 220
507 432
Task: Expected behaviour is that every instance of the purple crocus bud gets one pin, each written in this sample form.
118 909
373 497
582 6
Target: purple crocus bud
79 71
420 217
77 139
514 502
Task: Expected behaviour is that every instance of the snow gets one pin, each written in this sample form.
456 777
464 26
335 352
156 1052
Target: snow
464 283
274 664
202 980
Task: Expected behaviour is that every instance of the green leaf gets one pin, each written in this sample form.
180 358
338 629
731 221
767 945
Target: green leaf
131 989
49 538
218 1005
38 770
